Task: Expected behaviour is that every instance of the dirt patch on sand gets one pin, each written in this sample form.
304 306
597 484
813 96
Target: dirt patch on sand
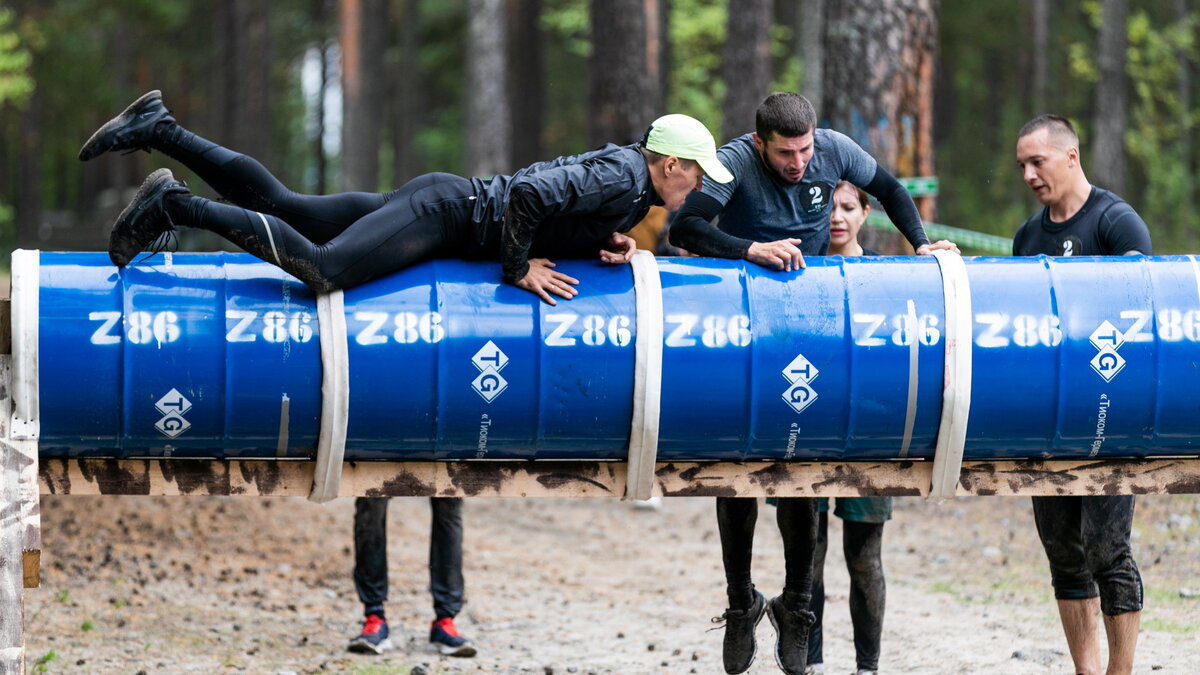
262 585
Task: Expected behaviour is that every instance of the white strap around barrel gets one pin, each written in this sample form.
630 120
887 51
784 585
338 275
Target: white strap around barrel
956 390
26 287
335 397
647 377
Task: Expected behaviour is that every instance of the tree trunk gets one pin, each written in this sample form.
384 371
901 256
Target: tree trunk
657 41
621 92
527 80
407 95
320 16
747 68
29 194
488 123
251 111
1040 10
881 93
363 25
812 31
1108 136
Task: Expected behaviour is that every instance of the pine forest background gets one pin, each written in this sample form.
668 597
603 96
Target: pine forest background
364 94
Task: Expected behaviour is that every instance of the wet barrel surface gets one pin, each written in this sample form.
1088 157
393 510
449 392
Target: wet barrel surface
218 355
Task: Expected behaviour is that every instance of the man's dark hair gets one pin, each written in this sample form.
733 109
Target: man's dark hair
1058 126
785 113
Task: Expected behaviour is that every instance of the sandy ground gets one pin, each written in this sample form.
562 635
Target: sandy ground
256 585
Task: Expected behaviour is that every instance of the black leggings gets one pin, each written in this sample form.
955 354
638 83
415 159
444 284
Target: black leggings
327 241
445 554
797 519
861 543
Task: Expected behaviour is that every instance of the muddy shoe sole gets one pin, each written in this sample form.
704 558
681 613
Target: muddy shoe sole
98 144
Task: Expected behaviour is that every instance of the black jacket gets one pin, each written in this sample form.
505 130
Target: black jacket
566 207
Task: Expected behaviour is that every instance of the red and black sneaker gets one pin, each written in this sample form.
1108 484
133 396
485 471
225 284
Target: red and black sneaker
374 637
445 638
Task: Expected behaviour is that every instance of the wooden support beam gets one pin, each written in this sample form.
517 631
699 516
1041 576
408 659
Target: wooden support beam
607 479
20 456
12 543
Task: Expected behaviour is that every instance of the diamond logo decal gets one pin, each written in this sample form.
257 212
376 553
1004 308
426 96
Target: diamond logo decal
800 370
489 384
800 396
1108 363
172 424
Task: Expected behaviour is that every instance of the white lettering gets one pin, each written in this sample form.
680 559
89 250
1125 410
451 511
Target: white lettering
557 337
370 334
867 338
683 328
995 323
103 334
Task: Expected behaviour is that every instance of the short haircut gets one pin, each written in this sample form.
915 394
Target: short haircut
785 113
656 158
1059 128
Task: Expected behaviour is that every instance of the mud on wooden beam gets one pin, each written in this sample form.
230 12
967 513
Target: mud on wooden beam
607 479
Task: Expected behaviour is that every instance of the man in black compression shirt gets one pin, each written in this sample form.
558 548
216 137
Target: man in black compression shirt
1086 538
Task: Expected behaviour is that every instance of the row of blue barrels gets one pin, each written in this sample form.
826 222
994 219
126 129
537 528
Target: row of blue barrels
217 355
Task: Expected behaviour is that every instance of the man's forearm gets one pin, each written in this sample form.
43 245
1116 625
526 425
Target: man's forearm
516 238
692 230
899 207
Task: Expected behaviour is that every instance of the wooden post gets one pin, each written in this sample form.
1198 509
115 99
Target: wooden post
13 465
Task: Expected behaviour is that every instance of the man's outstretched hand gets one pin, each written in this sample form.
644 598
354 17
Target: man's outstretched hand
542 280
782 255
618 249
942 245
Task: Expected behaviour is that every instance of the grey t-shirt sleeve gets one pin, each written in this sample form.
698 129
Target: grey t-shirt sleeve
857 165
736 155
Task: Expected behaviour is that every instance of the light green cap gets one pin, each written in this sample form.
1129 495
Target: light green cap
687 138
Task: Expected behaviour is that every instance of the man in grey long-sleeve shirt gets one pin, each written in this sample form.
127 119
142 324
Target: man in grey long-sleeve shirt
773 213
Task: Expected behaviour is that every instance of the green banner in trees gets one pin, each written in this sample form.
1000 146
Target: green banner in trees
966 239
920 186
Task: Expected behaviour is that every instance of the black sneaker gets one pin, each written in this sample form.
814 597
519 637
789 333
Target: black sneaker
740 647
374 637
144 219
130 130
444 637
791 635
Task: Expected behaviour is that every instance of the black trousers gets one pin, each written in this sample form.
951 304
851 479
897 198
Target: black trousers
1087 543
445 554
861 543
797 519
327 241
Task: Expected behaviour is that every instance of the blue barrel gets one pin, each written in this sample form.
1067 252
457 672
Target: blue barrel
218 355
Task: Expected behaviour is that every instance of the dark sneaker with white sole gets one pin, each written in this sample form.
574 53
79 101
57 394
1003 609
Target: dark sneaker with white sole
791 635
145 219
445 638
131 130
374 637
740 647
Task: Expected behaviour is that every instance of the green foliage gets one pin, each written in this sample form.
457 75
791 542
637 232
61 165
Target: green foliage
697 30
16 85
87 626
1158 125
788 68
40 665
567 22
79 61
